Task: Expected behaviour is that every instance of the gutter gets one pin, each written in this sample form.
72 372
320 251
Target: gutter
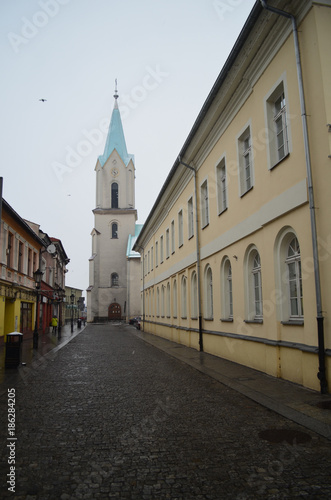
319 313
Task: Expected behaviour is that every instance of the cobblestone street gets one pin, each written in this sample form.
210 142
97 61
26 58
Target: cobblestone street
111 416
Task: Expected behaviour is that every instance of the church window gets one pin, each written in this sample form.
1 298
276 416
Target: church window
114 279
114 195
114 230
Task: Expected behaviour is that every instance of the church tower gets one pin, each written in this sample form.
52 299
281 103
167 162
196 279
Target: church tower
111 292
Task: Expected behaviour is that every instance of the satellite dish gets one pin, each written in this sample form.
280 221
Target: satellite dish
51 248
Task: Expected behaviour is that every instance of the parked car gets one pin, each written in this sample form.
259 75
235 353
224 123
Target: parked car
133 321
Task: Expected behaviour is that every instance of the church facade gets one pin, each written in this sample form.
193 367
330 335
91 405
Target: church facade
114 268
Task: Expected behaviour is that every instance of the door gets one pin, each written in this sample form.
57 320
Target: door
114 311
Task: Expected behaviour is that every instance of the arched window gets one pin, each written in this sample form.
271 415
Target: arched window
183 296
226 284
253 282
114 195
288 276
114 230
294 276
162 301
114 279
174 299
257 284
194 296
168 300
208 292
157 302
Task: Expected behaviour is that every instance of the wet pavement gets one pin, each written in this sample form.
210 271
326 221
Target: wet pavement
111 412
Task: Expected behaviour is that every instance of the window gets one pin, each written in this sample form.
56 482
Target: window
114 280
173 236
190 218
183 297
293 262
152 259
167 244
29 262
162 301
114 230
257 285
174 299
208 293
194 296
180 228
161 249
20 257
158 302
245 162
168 301
114 195
9 250
156 253
277 125
253 285
289 277
227 295
221 186
148 261
204 204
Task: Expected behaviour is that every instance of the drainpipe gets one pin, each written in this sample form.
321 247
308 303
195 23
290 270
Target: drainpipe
320 319
143 250
197 250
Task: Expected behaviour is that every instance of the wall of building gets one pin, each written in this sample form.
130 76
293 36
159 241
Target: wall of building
258 220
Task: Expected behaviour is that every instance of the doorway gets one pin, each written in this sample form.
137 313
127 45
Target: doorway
114 311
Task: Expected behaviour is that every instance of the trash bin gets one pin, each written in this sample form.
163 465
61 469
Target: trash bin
13 349
79 323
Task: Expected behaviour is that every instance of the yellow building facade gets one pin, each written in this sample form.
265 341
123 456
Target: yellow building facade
237 247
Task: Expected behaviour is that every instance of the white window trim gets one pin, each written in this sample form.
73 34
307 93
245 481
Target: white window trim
269 121
246 131
221 206
190 218
204 207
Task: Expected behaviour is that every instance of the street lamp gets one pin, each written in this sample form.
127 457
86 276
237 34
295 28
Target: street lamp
37 278
72 299
61 295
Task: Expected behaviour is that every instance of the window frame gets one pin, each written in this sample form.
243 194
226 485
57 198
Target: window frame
204 204
279 88
221 184
245 160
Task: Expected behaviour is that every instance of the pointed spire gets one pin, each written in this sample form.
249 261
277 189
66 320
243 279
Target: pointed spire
116 95
115 137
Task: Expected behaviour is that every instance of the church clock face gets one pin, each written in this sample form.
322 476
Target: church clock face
114 171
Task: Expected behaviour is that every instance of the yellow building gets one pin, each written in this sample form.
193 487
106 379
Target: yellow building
236 258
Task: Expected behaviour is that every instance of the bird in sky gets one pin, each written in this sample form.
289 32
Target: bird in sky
43 100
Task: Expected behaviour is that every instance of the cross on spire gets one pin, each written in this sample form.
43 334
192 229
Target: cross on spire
116 94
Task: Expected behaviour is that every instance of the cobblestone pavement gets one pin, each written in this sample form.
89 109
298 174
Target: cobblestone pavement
110 416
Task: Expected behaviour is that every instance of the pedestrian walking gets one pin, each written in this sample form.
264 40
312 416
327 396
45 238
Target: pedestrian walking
54 324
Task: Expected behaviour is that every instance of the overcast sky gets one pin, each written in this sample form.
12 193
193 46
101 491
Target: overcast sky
166 56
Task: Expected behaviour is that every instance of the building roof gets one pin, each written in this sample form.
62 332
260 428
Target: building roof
6 207
131 241
115 138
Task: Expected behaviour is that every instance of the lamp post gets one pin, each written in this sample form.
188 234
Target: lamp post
61 294
37 278
72 299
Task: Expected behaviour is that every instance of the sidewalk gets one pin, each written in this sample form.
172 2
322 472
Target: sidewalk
303 406
46 343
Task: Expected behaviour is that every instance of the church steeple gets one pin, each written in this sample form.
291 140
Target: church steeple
115 137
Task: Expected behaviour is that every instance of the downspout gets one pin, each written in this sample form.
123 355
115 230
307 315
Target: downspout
143 259
197 250
320 319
